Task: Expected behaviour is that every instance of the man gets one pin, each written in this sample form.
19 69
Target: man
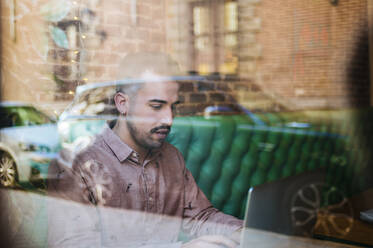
130 167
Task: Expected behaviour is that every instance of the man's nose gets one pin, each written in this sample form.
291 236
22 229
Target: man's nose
167 117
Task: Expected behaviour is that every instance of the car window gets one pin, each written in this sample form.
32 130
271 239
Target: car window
30 116
94 102
22 116
9 118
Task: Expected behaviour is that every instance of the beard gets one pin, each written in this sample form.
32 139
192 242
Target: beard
142 138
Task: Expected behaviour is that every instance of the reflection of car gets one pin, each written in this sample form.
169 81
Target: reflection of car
28 141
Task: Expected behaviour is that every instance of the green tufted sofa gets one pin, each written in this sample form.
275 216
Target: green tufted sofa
229 154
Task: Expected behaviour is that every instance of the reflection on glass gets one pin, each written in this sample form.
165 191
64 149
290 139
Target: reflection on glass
230 16
230 64
230 40
201 20
22 116
202 43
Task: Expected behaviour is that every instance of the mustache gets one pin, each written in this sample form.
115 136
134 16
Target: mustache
164 127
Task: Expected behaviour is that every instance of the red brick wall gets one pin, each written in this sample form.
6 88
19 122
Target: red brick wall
36 69
309 50
123 36
303 54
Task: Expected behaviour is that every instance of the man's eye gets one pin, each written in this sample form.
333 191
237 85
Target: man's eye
156 106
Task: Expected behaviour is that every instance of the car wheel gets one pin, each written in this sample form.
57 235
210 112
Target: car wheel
8 171
317 208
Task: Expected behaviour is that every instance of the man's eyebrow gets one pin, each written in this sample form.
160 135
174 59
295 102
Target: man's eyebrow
162 101
157 101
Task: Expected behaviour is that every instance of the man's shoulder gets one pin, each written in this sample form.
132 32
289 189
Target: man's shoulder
172 153
91 151
169 148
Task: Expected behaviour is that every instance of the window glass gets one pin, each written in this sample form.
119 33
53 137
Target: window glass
273 98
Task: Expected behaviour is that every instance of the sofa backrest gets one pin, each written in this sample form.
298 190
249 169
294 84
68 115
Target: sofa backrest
229 154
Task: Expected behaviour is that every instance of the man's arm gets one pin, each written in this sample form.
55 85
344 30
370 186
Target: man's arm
72 219
200 217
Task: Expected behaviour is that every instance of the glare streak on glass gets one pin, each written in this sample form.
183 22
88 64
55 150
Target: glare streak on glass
230 16
200 20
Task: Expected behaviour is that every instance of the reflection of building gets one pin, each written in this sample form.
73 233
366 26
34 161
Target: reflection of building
214 36
299 52
50 47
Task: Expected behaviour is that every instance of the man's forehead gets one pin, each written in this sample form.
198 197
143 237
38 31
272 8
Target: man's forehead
162 90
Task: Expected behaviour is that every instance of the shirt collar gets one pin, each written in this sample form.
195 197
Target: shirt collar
121 150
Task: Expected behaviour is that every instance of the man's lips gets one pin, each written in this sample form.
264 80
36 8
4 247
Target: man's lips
161 132
161 135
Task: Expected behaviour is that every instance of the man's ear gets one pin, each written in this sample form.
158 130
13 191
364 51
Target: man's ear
121 102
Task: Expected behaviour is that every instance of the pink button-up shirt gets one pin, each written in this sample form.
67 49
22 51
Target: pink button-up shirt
139 203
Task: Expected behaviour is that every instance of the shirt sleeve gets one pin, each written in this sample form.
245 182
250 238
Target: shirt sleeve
72 219
200 217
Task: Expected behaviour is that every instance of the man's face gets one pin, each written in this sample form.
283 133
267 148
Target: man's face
150 113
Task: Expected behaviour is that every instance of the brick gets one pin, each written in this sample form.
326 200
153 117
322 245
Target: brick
223 86
197 97
185 110
112 31
205 86
192 109
62 71
217 97
247 66
250 25
255 88
186 87
182 98
92 43
253 1
247 3
247 38
144 9
246 13
112 58
116 6
144 21
251 51
116 19
157 37
96 71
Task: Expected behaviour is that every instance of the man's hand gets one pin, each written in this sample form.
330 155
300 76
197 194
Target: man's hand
211 241
236 236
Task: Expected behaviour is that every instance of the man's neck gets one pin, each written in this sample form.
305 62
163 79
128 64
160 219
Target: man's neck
123 133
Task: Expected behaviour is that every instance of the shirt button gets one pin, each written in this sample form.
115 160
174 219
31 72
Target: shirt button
150 198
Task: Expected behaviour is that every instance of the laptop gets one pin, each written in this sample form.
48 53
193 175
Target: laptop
269 208
268 205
